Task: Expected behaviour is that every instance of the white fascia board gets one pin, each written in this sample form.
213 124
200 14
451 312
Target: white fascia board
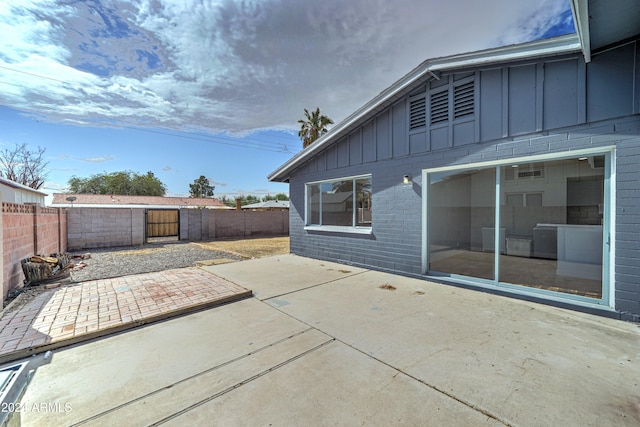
427 70
18 186
546 47
580 10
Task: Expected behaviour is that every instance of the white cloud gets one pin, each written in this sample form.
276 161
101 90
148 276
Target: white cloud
235 66
97 159
216 183
94 159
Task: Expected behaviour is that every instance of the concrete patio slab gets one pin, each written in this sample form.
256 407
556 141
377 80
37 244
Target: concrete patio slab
523 363
362 348
198 390
334 385
118 372
282 274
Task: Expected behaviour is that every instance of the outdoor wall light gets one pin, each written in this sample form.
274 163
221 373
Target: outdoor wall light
406 179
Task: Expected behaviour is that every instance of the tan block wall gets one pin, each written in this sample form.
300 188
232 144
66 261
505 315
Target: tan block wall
90 228
29 230
108 227
248 223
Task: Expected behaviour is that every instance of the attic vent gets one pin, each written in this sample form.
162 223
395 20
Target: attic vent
417 117
463 100
530 174
439 107
526 171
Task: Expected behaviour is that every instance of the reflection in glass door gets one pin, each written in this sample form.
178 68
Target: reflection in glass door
551 224
553 214
462 222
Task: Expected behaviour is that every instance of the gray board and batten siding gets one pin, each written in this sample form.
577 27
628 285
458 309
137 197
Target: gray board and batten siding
519 108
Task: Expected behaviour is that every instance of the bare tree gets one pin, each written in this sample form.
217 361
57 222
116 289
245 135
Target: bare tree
24 166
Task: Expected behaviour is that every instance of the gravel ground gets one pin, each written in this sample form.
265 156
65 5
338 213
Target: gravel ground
114 262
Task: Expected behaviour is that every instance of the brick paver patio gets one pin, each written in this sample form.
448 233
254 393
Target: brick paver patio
80 311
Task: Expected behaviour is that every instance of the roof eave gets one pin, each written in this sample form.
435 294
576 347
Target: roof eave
19 186
580 10
547 47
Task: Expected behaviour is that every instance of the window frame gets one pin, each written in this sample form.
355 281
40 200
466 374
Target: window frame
353 228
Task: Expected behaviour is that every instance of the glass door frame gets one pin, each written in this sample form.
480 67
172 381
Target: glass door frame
608 228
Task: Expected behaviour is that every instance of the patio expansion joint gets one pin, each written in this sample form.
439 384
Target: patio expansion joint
470 405
400 371
214 368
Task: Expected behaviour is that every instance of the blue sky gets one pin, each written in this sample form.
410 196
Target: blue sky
215 87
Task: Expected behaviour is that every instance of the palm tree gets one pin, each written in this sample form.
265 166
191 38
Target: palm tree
313 127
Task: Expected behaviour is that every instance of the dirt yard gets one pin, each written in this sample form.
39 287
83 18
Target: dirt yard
250 247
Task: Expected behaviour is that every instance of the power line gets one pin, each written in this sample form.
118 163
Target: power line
247 139
237 144
276 147
13 84
35 75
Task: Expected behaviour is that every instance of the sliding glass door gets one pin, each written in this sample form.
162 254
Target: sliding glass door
462 222
547 233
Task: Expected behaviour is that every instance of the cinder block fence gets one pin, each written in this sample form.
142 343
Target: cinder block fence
27 230
104 227
210 224
108 227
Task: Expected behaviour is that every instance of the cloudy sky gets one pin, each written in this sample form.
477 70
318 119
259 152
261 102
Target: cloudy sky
228 79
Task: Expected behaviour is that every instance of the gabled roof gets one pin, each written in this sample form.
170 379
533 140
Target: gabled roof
428 70
61 199
599 24
332 198
269 204
18 186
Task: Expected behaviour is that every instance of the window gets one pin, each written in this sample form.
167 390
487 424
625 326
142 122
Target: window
524 199
345 202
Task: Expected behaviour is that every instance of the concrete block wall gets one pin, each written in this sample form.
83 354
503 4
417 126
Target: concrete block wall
28 230
229 224
104 227
50 233
194 224
395 242
627 233
89 228
17 243
138 226
248 223
267 222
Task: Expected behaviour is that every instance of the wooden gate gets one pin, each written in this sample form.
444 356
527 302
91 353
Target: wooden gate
163 223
